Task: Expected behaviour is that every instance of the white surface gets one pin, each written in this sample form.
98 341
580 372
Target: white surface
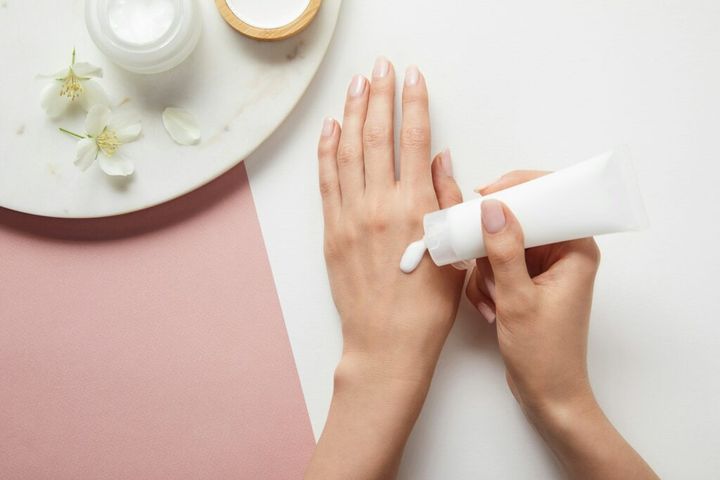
238 88
527 84
268 13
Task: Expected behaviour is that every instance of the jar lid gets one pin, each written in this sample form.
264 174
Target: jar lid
249 22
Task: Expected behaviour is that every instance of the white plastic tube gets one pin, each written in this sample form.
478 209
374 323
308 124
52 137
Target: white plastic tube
595 197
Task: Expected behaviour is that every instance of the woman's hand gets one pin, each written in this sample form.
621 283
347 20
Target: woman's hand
540 299
394 324
396 320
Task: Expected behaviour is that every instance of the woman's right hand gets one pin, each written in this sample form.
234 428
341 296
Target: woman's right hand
540 299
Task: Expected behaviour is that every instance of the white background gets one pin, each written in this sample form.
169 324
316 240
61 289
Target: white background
528 84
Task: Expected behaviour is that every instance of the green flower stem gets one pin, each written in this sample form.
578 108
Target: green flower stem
77 135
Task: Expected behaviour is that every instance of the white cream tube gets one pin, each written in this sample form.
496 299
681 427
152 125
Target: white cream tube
591 198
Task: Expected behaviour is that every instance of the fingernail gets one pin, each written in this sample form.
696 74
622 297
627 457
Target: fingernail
480 189
382 67
357 86
486 312
490 285
493 216
328 127
412 76
446 162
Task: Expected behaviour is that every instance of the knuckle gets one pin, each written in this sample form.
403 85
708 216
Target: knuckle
347 154
504 253
340 239
326 149
331 250
382 89
415 96
327 188
376 136
376 220
415 137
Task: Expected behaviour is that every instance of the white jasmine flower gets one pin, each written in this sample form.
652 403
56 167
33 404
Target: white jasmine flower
181 125
106 133
73 84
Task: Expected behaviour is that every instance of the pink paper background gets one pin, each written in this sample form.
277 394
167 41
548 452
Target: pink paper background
147 346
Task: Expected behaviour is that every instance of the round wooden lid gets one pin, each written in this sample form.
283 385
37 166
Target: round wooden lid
278 33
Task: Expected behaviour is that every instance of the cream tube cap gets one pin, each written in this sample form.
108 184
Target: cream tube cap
438 238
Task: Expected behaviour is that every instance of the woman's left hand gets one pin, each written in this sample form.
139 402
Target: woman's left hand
394 324
388 317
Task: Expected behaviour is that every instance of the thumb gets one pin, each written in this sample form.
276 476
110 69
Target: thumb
505 248
446 189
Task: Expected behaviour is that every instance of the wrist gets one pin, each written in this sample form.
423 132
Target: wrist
403 374
386 402
560 415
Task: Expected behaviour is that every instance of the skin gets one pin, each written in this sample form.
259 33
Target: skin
394 325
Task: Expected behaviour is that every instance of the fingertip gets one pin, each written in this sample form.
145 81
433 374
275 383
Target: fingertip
358 86
328 128
412 76
446 189
493 216
486 311
329 137
415 87
383 68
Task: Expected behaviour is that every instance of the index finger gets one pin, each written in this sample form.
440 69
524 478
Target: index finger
511 179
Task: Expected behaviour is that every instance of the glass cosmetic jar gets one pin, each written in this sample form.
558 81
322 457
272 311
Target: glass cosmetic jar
144 36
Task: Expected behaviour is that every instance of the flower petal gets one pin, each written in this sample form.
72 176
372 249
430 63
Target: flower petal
93 94
182 126
59 75
51 100
117 165
129 133
85 153
97 119
84 69
126 126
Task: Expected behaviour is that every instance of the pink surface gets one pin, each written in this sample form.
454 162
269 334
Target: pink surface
147 346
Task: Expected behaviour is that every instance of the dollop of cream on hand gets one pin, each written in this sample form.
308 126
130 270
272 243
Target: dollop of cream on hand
413 256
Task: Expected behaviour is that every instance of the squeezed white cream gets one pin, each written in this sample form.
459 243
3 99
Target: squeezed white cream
268 13
140 21
413 255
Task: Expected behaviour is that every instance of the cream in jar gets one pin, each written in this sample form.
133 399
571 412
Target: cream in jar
144 36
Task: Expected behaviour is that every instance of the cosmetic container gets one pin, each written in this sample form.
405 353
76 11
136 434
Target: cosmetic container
144 36
594 197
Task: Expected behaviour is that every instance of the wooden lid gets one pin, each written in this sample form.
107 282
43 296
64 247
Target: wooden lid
278 33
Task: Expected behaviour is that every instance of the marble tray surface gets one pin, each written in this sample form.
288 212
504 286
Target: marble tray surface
239 89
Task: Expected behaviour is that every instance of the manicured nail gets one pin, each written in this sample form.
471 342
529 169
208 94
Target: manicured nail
446 162
493 216
328 127
357 86
480 189
486 312
490 285
382 67
412 76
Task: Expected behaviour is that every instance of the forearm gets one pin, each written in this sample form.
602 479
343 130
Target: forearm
586 443
370 419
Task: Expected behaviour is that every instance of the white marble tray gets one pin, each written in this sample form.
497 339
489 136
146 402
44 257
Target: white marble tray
239 89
